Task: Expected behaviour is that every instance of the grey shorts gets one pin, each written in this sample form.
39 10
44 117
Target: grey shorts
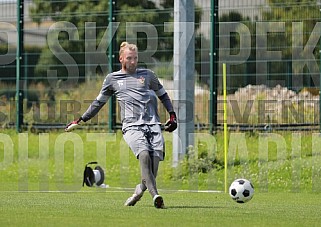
145 138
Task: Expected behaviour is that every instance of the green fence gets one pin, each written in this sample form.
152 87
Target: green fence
272 53
271 49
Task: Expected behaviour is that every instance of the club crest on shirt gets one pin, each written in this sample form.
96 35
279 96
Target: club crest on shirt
120 83
141 79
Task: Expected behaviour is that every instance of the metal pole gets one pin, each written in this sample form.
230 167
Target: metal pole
19 73
213 65
184 82
111 57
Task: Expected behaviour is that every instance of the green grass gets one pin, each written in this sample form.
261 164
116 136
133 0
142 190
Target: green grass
183 209
42 186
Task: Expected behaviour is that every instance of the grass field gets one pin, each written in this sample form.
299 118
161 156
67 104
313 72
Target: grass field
40 181
183 209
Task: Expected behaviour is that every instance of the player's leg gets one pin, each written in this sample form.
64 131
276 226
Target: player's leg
142 187
157 154
147 175
136 140
158 200
140 145
155 164
138 194
149 166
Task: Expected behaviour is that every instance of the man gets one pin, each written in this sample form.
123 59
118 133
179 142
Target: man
136 91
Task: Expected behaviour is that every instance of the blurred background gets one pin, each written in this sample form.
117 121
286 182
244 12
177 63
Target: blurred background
271 49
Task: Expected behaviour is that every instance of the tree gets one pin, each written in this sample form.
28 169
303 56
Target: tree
240 74
97 11
294 13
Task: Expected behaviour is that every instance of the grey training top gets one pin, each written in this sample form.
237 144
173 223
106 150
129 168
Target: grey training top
136 95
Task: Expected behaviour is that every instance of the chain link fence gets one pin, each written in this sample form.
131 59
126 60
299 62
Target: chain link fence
271 50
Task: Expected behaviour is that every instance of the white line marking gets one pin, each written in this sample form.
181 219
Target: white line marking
113 189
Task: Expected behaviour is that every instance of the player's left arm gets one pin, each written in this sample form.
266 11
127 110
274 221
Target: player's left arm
171 123
161 93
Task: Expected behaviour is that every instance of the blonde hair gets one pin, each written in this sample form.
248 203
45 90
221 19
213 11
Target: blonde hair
126 45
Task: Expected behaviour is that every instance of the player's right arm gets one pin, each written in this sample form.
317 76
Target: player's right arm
95 106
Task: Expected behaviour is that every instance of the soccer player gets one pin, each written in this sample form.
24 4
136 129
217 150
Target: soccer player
136 90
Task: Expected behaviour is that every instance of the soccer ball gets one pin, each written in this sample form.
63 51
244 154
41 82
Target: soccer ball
241 190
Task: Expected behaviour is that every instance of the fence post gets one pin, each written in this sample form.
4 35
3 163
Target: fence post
213 66
19 60
111 57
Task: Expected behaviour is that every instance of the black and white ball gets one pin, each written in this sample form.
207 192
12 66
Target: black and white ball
241 190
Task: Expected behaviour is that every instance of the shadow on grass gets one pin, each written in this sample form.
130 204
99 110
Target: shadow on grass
194 207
